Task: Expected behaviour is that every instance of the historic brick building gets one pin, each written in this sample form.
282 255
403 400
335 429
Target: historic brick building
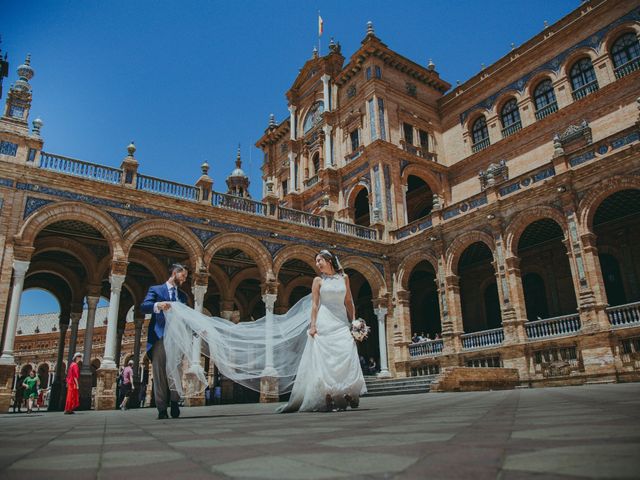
502 215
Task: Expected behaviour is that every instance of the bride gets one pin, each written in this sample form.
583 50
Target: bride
309 350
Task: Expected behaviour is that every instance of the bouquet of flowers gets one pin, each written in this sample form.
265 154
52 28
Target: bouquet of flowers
359 330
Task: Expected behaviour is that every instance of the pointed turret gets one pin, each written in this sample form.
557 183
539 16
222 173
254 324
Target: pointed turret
238 182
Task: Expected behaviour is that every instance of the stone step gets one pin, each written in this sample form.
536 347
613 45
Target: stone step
398 386
408 391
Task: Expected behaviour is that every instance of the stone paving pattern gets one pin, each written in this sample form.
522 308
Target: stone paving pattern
590 431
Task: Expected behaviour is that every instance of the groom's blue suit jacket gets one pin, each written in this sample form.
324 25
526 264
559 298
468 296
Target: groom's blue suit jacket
157 293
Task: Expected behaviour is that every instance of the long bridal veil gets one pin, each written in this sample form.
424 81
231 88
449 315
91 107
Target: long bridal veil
244 352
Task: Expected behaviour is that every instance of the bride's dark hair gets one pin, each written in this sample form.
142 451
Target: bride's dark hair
332 259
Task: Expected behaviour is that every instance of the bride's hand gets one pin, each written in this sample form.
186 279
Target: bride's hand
313 331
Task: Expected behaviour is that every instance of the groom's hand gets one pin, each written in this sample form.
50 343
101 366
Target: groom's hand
164 306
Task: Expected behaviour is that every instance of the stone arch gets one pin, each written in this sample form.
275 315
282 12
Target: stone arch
181 234
522 220
573 58
504 98
423 173
221 280
248 245
409 263
65 274
150 262
297 252
285 293
246 274
596 195
72 247
459 245
81 212
615 33
353 192
537 78
475 115
369 272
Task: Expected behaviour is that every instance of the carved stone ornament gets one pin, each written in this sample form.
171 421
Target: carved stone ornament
494 174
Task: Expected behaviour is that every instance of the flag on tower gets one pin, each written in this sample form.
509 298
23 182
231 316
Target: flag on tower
320 26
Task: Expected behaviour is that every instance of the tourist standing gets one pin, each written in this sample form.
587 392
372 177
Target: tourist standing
30 385
73 387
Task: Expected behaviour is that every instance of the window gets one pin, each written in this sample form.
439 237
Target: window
626 54
408 133
480 134
583 78
545 99
372 120
368 73
314 116
284 187
383 133
510 117
316 163
424 139
355 140
379 71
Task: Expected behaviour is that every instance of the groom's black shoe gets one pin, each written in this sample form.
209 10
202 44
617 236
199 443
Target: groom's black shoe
162 415
175 410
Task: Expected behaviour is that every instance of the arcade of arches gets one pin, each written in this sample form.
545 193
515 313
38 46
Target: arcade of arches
495 224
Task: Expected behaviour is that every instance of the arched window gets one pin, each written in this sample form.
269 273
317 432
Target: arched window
545 99
583 78
316 163
510 117
313 117
480 134
626 54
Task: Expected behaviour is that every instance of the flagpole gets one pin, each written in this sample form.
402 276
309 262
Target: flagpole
319 34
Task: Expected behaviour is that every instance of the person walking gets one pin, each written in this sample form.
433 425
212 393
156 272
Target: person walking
73 387
127 385
31 384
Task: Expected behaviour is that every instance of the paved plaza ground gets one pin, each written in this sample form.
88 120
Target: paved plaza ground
570 432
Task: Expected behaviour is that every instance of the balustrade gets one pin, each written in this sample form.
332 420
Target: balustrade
511 129
624 315
310 182
483 339
78 168
481 145
585 90
627 68
300 217
547 110
241 204
553 327
426 348
166 187
355 230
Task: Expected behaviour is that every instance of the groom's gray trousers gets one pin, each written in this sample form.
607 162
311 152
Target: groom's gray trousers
161 390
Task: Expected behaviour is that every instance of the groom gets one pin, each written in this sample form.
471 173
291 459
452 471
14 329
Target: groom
156 303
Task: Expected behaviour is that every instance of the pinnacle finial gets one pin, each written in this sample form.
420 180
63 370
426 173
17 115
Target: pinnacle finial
131 148
272 120
37 125
431 65
370 30
315 52
205 168
238 159
25 73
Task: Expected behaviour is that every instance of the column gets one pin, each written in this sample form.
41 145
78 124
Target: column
74 321
195 368
20 268
112 322
269 381
454 327
56 400
381 314
138 321
402 333
325 92
292 122
119 337
327 144
86 377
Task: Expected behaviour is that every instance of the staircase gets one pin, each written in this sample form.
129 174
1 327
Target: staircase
400 386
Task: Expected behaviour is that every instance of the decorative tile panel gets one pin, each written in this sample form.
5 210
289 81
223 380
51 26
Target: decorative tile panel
273 247
34 204
125 221
8 148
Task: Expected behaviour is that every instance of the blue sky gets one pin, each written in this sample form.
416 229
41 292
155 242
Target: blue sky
189 80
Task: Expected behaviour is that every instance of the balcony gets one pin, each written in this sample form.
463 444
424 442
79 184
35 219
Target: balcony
240 204
627 315
78 168
511 129
310 182
350 157
553 327
483 339
547 110
355 230
428 348
627 68
421 152
166 188
585 90
300 217
481 145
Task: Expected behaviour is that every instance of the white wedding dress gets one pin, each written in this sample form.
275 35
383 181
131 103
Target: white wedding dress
330 364
309 367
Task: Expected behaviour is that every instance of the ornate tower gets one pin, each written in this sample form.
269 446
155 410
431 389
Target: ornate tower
18 101
238 182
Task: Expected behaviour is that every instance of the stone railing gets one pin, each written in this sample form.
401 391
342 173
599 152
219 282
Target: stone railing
78 168
624 315
553 327
481 145
627 68
426 348
300 217
166 187
310 182
547 110
511 129
240 204
585 90
484 339
350 157
355 230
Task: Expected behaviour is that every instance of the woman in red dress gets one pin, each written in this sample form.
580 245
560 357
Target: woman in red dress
73 395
